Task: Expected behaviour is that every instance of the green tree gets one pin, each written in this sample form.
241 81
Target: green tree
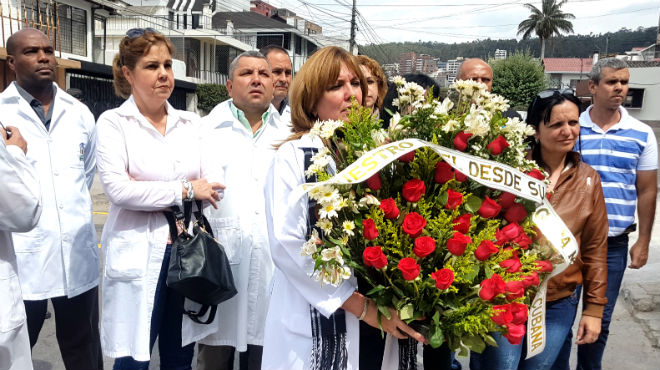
546 22
518 78
210 95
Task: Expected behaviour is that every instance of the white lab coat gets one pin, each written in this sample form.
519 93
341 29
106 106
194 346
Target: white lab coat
20 208
240 225
141 172
288 336
59 257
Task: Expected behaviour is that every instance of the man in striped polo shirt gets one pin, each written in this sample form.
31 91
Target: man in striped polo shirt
624 152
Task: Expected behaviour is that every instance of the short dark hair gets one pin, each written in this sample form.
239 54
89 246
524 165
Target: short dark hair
269 48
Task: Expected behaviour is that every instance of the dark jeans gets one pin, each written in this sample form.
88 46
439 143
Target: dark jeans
166 326
590 355
76 328
559 317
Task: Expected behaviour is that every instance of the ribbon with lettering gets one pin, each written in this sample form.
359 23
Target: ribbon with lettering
488 173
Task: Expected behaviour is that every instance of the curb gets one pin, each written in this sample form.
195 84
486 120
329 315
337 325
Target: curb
643 303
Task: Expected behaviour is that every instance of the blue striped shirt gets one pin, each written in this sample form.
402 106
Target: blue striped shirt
627 147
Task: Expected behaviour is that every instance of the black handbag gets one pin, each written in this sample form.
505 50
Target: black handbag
199 268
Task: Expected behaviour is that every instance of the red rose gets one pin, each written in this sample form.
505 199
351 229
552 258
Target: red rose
485 250
514 289
461 140
408 157
535 173
519 312
545 266
508 233
515 213
424 245
515 333
498 145
409 268
443 278
489 208
370 232
413 224
491 287
374 182
512 265
531 279
460 177
456 244
443 172
374 257
462 223
454 199
522 240
506 200
389 208
502 314
413 190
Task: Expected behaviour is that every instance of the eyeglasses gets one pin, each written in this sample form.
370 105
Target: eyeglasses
137 32
554 92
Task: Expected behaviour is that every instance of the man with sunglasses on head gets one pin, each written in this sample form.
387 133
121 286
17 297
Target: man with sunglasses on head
58 259
624 152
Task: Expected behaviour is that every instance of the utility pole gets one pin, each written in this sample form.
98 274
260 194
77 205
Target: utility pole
353 26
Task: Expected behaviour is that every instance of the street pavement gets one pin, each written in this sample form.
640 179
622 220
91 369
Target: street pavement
634 332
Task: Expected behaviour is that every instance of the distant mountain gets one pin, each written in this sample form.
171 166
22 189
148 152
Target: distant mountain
557 47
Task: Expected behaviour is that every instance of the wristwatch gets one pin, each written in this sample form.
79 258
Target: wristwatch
190 193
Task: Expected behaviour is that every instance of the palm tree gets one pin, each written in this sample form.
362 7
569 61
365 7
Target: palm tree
546 22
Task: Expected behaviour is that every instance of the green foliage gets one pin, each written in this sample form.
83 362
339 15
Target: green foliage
518 78
210 95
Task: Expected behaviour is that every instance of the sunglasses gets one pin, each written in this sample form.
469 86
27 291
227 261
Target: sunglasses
137 32
553 92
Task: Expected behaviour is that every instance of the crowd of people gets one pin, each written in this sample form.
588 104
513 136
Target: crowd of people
242 160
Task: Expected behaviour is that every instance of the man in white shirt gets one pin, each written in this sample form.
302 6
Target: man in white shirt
20 207
242 132
58 259
280 64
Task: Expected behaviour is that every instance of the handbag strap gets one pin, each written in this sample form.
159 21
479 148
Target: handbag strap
177 215
195 315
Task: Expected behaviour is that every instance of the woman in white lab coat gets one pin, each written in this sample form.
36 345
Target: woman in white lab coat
20 208
149 159
301 312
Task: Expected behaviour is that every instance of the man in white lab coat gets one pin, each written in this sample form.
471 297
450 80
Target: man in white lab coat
58 259
242 131
20 207
280 65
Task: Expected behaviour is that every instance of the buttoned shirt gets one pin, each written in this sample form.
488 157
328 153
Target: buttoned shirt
36 105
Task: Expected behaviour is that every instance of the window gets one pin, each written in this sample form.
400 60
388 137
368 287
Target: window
73 29
298 44
195 21
634 99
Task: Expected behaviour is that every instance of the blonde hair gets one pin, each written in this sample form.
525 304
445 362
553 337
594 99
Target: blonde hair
131 49
312 81
378 73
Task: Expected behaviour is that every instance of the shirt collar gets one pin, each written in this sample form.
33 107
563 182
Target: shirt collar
240 116
174 116
623 123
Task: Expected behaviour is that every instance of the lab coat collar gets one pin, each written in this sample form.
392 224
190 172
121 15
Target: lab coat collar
174 116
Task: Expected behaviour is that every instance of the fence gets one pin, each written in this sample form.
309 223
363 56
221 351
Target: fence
39 14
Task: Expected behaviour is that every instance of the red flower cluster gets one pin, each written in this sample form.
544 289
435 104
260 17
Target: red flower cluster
413 190
513 317
454 199
486 249
489 208
457 243
389 208
409 268
492 287
445 172
374 257
462 223
513 233
443 278
424 245
413 224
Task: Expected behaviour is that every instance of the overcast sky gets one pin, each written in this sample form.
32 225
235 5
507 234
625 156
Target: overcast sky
382 21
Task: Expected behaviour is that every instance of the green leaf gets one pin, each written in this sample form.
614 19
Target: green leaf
436 318
407 312
472 204
475 343
437 337
474 271
490 340
385 311
375 290
442 198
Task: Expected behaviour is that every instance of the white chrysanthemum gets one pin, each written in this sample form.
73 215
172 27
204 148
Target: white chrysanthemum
469 89
398 80
328 194
316 129
444 107
451 126
329 127
379 136
477 122
316 192
343 240
529 130
348 227
325 225
499 103
329 210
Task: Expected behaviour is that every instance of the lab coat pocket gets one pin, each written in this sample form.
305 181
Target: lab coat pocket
126 260
12 311
227 231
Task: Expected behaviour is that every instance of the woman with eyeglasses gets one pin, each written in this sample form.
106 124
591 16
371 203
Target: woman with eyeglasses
149 159
575 192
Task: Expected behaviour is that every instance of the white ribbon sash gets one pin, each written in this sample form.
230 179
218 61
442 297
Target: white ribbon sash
488 173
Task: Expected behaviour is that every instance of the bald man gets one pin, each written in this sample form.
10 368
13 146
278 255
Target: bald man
476 69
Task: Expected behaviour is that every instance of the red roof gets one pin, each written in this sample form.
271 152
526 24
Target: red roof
567 65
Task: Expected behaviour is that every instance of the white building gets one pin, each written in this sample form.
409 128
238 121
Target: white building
643 101
500 54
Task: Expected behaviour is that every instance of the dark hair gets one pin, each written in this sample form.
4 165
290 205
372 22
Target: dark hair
269 48
131 49
540 111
